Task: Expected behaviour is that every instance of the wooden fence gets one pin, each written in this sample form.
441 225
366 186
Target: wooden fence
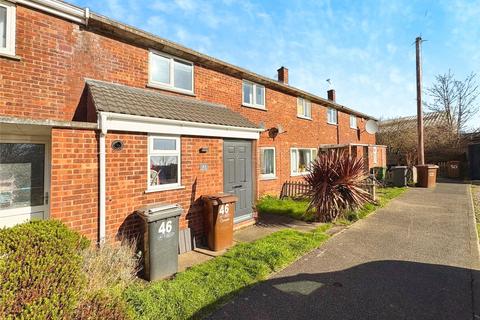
294 189
299 189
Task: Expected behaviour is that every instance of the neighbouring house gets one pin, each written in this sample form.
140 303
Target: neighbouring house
400 136
98 119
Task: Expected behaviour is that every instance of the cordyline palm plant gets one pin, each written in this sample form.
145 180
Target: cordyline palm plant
334 181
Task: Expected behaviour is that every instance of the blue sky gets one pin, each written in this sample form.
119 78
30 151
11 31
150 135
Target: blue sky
366 48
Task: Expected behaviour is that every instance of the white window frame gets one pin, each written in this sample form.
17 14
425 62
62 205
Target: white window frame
170 85
270 175
375 155
10 28
331 112
177 152
353 121
293 171
305 103
254 103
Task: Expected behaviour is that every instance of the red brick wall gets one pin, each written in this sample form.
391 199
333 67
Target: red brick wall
56 56
127 181
49 81
74 180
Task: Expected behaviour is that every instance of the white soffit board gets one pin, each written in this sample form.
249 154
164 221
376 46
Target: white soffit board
121 122
58 8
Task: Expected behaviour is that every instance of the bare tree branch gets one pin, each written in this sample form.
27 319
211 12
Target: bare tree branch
456 98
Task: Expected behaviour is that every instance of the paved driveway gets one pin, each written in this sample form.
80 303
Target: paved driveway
414 259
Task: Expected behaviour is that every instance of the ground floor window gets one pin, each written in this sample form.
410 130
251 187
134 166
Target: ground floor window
21 175
301 159
163 162
375 155
267 162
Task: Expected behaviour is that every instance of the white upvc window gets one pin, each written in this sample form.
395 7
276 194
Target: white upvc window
253 95
7 28
353 121
332 116
163 163
375 155
304 108
300 160
267 163
171 73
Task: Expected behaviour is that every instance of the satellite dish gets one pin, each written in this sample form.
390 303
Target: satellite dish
371 126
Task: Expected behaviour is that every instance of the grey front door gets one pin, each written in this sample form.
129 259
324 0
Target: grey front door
237 175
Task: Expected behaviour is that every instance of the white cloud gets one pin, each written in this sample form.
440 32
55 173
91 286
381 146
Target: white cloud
391 48
187 5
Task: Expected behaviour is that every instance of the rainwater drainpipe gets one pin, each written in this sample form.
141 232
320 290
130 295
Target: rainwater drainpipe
102 118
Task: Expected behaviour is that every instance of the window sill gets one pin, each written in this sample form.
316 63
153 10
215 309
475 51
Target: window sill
268 178
332 123
254 107
304 118
166 188
170 89
353 128
301 174
10 56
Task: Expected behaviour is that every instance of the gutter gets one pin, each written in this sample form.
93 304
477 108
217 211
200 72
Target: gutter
102 125
60 9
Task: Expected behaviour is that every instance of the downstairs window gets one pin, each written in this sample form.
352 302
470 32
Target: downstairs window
163 162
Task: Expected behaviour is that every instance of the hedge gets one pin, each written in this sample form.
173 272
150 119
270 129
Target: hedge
40 270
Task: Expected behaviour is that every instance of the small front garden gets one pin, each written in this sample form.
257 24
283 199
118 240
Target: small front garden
197 291
50 272
297 209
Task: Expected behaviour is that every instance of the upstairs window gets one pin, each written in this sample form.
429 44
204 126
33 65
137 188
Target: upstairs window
253 95
163 162
332 116
353 121
7 28
304 108
300 160
167 72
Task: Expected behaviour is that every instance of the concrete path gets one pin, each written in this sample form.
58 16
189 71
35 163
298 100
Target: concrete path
414 259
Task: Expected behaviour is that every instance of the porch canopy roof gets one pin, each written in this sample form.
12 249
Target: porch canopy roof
120 99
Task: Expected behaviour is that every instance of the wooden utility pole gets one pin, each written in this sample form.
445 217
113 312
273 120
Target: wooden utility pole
421 153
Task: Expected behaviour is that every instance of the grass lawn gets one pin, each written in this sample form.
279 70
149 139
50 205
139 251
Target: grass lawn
476 205
196 292
297 209
294 208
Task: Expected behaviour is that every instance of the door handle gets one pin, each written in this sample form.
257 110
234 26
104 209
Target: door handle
46 198
236 187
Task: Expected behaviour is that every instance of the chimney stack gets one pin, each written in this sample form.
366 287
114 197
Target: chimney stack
283 75
331 95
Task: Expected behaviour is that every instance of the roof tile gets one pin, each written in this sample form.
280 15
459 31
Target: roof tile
116 98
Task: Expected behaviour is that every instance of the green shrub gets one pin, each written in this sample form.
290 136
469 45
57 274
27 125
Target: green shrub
40 270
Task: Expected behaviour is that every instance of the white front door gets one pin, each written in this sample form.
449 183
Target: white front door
24 180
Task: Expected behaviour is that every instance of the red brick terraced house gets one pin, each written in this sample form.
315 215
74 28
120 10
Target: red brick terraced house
98 119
